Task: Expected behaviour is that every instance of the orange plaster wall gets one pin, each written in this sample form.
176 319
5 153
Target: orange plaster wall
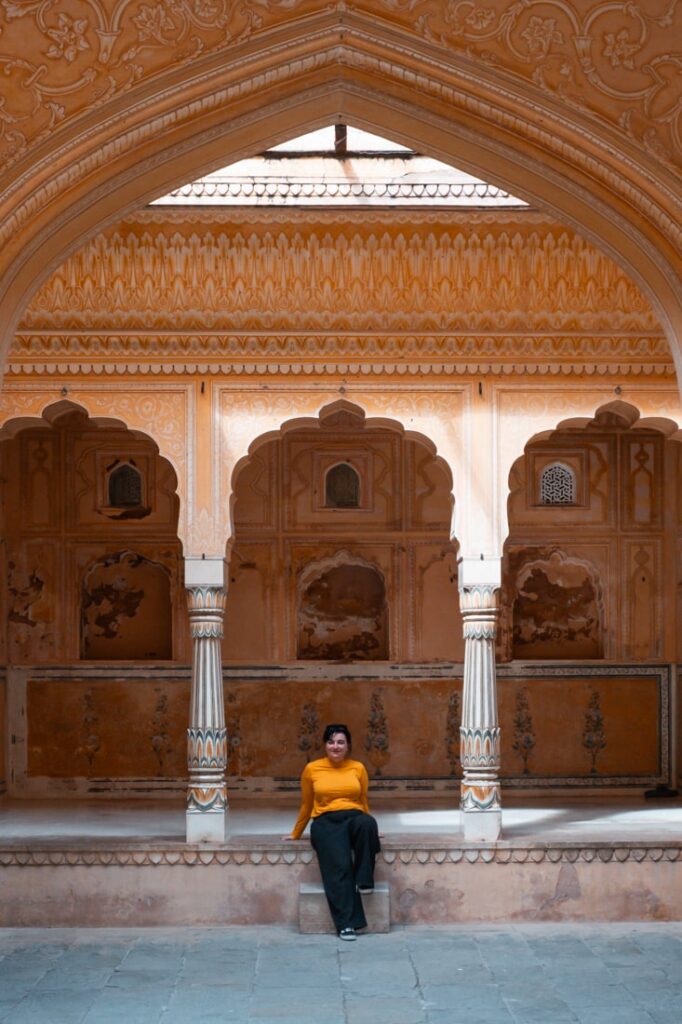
401 728
3 735
123 727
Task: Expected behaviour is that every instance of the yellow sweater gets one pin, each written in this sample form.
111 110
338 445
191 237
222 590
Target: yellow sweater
326 787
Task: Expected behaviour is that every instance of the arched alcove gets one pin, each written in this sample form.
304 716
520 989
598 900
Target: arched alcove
58 520
390 554
587 578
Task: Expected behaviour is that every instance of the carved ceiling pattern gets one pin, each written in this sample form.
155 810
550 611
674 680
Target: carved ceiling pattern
613 60
367 276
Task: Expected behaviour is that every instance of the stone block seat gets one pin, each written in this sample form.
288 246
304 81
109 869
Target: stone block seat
313 911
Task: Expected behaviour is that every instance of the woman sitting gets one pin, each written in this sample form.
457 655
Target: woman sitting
343 833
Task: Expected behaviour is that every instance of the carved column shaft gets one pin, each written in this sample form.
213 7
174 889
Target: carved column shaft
206 735
480 732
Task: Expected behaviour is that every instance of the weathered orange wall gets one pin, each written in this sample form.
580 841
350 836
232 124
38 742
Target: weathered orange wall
3 734
580 727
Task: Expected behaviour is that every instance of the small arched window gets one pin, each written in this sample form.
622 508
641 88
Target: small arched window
125 487
557 485
342 487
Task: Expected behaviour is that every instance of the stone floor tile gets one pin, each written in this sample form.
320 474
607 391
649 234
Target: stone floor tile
624 1015
384 1010
450 997
595 995
455 1016
49 1007
8 1004
60 978
125 1008
156 979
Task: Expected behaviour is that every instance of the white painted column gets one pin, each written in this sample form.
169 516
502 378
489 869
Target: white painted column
206 735
479 583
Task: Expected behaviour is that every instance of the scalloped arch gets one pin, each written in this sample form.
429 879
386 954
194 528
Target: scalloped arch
351 412
616 413
49 414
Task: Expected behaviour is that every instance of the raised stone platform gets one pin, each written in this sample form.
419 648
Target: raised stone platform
75 864
313 910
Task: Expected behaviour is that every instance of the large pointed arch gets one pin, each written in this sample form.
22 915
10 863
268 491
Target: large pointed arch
339 65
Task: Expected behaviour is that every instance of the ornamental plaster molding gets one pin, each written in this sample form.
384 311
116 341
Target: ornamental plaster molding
582 346
343 370
306 347
268 856
362 279
362 216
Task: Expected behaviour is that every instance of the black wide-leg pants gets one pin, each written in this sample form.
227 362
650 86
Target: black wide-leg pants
346 844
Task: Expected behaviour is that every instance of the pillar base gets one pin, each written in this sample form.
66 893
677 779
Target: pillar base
482 826
206 826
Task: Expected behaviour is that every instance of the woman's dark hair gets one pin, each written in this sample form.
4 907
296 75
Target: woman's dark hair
330 730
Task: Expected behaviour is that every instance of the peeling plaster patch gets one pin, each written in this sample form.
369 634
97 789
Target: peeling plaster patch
125 608
342 615
556 612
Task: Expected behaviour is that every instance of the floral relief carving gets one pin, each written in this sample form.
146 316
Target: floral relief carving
594 733
68 38
452 739
309 734
160 738
377 742
91 741
614 59
233 725
611 58
524 731
91 58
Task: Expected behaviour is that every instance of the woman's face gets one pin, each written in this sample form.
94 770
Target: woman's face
337 748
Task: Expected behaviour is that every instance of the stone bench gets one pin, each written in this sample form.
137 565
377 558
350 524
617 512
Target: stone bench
313 911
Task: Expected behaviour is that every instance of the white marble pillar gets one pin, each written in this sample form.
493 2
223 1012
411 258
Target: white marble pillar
479 583
206 735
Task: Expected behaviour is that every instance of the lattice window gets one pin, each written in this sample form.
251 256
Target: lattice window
557 485
342 487
125 487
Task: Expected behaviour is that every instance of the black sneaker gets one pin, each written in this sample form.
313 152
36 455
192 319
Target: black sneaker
348 934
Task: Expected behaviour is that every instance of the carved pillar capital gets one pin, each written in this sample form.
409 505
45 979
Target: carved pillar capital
206 606
479 606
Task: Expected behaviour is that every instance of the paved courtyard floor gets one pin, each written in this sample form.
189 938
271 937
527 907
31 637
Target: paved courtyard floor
512 974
